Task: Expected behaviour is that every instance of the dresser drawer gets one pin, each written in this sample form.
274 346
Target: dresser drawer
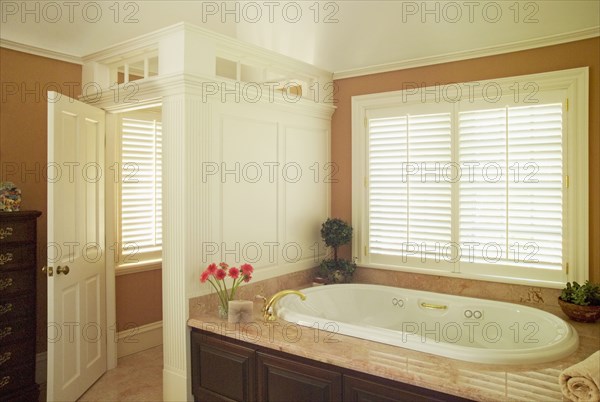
16 331
18 255
16 354
17 230
16 307
14 282
16 378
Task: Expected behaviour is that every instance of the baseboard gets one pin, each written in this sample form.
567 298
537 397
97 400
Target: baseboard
41 367
139 338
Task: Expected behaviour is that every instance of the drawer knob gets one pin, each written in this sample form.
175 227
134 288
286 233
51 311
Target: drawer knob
5 357
62 270
5 232
4 381
4 258
6 283
6 308
7 331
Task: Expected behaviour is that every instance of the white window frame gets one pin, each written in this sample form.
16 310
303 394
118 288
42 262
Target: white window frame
142 262
575 82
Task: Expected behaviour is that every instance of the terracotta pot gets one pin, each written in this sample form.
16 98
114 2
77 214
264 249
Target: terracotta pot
580 313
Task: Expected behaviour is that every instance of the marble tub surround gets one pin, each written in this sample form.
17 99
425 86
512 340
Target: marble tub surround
267 288
538 297
482 382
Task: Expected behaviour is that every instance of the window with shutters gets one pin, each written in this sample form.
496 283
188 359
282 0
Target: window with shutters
485 187
140 203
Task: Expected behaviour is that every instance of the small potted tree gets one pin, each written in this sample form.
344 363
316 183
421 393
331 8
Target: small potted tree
335 233
581 302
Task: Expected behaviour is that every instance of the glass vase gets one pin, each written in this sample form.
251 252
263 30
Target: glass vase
222 311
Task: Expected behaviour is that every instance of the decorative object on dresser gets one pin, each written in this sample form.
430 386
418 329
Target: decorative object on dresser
10 197
17 305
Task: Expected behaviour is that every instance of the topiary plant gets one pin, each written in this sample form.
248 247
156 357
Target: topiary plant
335 233
586 295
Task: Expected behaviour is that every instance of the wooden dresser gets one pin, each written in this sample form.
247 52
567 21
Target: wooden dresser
17 305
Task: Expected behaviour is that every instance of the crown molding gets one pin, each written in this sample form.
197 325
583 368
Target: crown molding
152 37
471 54
38 51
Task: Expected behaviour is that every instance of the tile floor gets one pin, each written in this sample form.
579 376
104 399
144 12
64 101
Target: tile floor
138 377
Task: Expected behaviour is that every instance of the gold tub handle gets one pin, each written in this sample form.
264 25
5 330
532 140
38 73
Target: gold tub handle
434 306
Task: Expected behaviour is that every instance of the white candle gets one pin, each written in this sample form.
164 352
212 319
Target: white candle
240 311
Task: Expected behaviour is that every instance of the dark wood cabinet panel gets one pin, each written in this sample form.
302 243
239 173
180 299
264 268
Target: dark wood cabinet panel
286 380
222 371
367 390
17 305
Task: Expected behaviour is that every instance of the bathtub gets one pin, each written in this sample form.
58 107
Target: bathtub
457 327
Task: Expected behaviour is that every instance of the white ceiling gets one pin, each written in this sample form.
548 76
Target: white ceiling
359 34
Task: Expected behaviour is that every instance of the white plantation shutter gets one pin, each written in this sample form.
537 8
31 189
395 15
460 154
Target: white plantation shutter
141 186
490 184
474 187
535 201
510 198
409 202
482 201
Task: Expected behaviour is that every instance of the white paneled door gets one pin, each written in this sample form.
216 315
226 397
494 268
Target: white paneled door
76 249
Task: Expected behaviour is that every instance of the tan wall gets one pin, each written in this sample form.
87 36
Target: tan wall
575 54
139 299
24 81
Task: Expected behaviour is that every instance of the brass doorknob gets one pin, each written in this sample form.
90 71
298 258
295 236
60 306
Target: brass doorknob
62 270
47 270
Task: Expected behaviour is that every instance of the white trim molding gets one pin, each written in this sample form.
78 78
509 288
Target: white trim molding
471 54
138 339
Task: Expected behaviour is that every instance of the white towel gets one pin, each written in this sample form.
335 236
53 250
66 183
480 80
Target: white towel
581 382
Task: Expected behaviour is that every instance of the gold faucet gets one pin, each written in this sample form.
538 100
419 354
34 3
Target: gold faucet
268 311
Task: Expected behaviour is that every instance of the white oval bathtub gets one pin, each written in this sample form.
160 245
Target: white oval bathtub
458 327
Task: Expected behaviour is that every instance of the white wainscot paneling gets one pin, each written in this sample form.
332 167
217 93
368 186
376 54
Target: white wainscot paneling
249 201
307 179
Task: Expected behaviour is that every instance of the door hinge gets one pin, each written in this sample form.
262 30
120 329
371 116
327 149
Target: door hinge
366 251
567 104
567 268
366 122
366 182
567 181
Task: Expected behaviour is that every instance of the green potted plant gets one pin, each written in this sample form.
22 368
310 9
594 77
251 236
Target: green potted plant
335 233
581 302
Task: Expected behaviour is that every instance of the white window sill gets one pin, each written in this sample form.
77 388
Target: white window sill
138 267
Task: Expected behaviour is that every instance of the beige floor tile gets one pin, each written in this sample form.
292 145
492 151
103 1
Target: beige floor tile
138 377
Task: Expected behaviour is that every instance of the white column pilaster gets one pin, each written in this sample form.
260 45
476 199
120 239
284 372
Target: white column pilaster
186 212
